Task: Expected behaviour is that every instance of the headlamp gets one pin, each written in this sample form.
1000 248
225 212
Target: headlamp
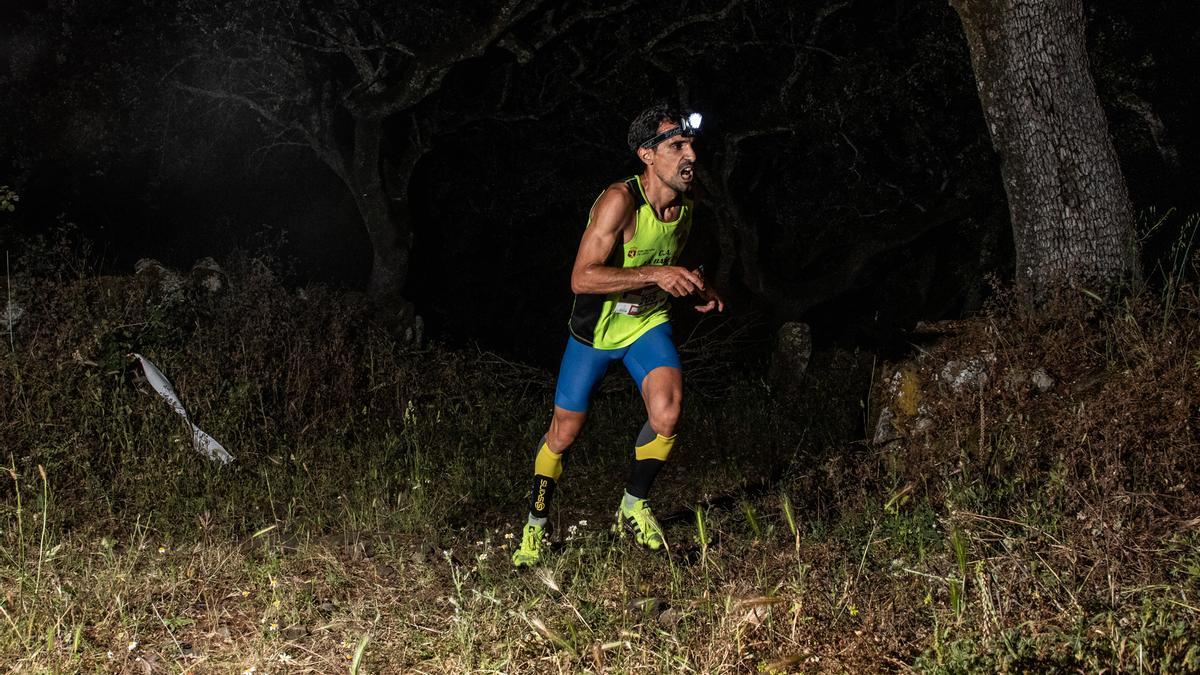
688 126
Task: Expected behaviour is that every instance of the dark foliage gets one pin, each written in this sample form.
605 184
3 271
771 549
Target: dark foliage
848 178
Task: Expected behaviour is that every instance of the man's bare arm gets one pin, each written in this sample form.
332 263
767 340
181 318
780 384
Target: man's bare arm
610 216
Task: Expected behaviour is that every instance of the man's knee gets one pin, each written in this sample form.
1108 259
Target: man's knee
664 414
564 429
561 439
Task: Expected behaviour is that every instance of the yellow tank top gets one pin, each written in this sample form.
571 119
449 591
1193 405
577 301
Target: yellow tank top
616 320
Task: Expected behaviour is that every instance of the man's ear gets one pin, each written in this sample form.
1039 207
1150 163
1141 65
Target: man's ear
646 155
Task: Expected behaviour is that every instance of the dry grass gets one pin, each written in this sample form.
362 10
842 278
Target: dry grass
364 525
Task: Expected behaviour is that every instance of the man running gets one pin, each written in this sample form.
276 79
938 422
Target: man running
624 271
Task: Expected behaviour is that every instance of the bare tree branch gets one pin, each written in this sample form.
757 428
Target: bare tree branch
690 20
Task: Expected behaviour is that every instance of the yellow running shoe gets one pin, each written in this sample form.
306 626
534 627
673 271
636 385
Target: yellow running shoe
530 551
639 520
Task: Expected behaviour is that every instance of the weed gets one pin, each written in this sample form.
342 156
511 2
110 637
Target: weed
1020 530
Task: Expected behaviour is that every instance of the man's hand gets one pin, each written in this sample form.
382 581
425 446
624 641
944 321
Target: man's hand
678 281
712 298
714 301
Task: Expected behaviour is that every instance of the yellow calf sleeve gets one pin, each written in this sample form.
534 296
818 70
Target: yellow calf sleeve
548 463
658 448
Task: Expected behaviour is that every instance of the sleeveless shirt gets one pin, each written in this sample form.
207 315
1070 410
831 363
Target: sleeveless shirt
616 320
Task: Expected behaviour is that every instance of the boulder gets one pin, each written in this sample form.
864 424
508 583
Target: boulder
161 280
207 277
885 428
793 351
902 409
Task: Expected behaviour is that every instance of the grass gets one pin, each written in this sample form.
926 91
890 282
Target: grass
365 525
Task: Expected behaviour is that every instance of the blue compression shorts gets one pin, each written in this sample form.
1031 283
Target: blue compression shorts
583 366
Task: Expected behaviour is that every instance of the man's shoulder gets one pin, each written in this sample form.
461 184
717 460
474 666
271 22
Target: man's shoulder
617 197
620 190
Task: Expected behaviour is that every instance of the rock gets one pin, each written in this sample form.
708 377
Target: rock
757 614
669 618
793 351
400 318
793 347
901 394
208 277
969 373
414 334
905 388
12 314
1042 380
160 279
885 428
1017 379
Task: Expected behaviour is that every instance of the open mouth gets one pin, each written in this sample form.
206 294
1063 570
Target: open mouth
686 173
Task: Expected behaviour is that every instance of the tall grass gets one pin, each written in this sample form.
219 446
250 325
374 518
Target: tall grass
364 525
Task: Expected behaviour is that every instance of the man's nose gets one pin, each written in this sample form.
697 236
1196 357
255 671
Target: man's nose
689 153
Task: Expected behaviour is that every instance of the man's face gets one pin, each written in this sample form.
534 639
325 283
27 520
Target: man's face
673 159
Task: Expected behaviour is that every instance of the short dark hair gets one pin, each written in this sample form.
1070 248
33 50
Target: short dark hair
645 125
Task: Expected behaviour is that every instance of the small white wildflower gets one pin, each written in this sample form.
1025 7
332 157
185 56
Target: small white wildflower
583 523
508 535
132 646
446 553
162 550
111 656
482 556
572 529
479 542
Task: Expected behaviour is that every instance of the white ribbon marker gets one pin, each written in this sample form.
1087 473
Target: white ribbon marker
202 442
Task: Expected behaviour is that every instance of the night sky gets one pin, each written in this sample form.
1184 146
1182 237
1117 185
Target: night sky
846 138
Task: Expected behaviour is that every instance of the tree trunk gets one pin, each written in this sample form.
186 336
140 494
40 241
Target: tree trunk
1071 216
391 238
388 226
